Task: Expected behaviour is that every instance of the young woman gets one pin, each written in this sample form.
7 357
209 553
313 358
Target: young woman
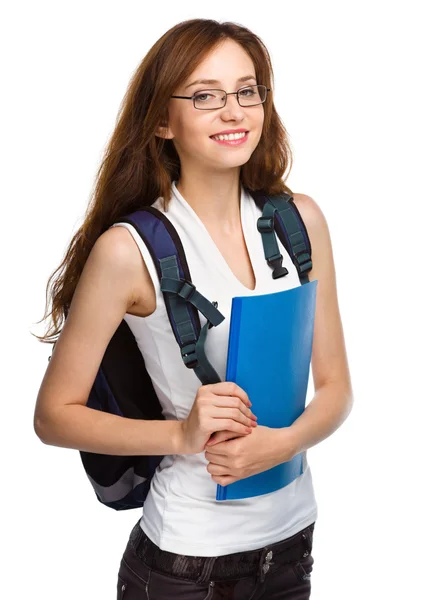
199 82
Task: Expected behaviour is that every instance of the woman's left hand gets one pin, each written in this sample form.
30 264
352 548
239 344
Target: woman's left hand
244 456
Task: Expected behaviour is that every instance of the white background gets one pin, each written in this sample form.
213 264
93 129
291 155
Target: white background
348 87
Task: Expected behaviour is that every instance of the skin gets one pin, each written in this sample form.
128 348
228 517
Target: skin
115 277
210 184
209 179
333 398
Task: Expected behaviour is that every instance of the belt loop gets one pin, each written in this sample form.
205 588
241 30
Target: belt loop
207 569
145 548
135 535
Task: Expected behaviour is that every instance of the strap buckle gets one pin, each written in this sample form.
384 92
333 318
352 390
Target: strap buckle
265 224
276 263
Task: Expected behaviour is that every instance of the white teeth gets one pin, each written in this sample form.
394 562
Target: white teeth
231 136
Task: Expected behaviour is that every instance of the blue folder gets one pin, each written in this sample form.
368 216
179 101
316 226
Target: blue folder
269 355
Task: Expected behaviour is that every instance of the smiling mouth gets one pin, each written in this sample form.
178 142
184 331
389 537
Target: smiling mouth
235 142
240 136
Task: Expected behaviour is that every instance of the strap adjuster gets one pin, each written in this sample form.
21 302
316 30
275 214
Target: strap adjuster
265 224
190 358
215 304
187 290
304 261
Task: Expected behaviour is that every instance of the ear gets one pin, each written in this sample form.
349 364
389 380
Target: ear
164 131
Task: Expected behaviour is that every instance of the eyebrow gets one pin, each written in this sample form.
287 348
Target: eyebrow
246 78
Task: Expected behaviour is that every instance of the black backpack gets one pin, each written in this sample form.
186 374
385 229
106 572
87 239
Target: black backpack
122 385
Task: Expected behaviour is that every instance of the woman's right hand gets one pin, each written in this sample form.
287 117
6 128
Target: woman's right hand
222 406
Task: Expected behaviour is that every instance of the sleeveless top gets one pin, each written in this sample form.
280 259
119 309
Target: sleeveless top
181 514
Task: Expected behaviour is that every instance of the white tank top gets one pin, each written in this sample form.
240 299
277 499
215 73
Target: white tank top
180 513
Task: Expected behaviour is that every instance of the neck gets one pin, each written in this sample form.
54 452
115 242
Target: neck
215 199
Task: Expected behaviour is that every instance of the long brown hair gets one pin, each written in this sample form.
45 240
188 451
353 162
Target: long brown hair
138 166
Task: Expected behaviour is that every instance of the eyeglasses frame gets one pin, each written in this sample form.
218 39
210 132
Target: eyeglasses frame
227 94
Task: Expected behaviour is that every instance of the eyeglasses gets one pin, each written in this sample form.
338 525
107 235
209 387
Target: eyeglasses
249 95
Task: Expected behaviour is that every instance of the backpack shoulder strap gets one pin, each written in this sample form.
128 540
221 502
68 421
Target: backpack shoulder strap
280 216
182 299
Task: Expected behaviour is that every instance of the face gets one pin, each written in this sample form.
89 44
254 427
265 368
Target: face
191 129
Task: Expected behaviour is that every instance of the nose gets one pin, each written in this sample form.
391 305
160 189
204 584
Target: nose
232 107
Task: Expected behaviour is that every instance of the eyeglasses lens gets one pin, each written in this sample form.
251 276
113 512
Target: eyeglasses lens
248 96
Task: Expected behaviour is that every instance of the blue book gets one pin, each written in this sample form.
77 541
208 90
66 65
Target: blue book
269 355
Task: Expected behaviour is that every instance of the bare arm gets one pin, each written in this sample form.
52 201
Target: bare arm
333 399
106 290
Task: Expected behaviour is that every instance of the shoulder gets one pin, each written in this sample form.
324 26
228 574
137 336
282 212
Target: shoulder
329 356
318 233
116 248
116 252
310 212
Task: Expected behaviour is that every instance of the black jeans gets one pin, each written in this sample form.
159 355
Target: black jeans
277 571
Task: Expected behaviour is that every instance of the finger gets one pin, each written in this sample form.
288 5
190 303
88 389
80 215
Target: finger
229 388
217 440
232 413
216 469
215 457
223 436
224 479
228 425
233 402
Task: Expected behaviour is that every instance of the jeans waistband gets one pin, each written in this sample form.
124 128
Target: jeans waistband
228 566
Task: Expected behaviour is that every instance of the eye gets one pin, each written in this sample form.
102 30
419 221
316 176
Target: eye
249 91
209 95
201 96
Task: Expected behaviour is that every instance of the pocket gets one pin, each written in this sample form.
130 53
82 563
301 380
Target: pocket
132 584
302 568
210 590
128 589
161 585
121 587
